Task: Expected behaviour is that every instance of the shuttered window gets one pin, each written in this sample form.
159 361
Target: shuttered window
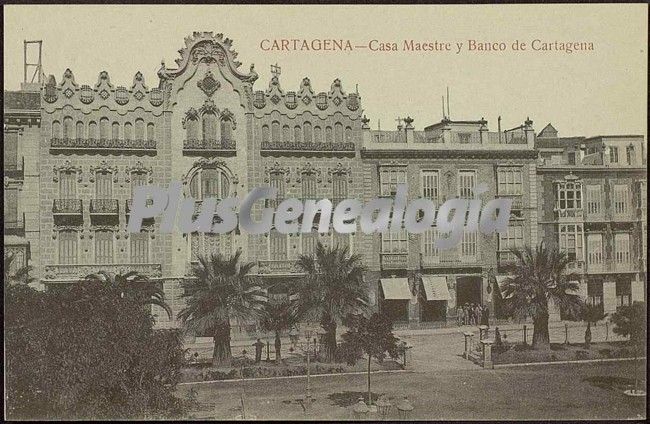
104 247
139 248
68 185
68 247
11 206
104 185
11 150
277 245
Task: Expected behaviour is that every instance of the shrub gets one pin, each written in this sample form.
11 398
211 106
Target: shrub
582 354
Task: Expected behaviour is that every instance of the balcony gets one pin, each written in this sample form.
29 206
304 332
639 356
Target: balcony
15 225
517 203
72 207
576 267
301 149
281 266
569 214
99 145
624 267
129 202
15 168
104 207
595 215
627 216
78 271
210 147
394 260
597 268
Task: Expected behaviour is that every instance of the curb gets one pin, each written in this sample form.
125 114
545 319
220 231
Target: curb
585 361
238 380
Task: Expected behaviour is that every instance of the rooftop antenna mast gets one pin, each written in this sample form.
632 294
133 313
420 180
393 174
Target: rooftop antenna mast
33 45
448 114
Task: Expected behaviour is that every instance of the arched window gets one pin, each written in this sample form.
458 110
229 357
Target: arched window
226 128
115 131
286 134
275 131
192 128
128 131
139 129
328 134
307 132
338 132
209 126
318 135
79 132
209 182
56 129
104 129
348 134
67 127
297 134
92 129
265 133
150 131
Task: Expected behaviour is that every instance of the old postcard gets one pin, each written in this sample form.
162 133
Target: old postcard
274 212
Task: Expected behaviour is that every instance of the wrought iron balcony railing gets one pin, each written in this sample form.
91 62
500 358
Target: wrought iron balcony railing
270 146
104 206
79 271
212 146
102 144
67 207
394 260
281 266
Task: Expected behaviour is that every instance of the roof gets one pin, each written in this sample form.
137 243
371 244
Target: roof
558 142
435 287
548 131
22 100
396 288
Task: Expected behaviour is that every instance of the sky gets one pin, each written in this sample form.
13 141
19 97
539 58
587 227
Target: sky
597 92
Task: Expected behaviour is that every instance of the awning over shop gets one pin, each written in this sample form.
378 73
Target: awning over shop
396 288
500 279
435 287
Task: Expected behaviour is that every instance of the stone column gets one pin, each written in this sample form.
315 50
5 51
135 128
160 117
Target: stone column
609 297
487 353
408 129
468 344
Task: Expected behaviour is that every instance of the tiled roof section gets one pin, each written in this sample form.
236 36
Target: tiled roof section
548 131
22 100
558 143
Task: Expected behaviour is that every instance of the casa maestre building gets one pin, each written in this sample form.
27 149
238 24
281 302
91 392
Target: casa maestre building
74 152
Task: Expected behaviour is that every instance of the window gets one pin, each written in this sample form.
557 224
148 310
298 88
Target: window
594 199
192 127
115 131
464 138
139 129
210 126
92 130
297 134
278 245
277 181
128 131
10 150
79 130
569 196
571 241
150 131
309 189
318 135
206 244
468 244
622 248
226 129
68 130
395 241
56 129
209 182
11 206
68 185
429 237
595 293
137 179
103 185
275 132
430 185
309 242
621 199
328 134
348 134
509 180
466 184
339 188
104 247
623 293
513 238
68 247
390 177
104 129
613 154
571 158
338 132
286 134
139 247
307 133
594 249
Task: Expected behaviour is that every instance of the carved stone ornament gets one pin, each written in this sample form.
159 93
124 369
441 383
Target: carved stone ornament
290 100
353 102
66 167
260 99
121 96
112 228
191 115
276 169
309 169
59 228
156 97
138 168
87 94
103 167
339 169
209 107
321 101
227 114
50 93
208 84
208 51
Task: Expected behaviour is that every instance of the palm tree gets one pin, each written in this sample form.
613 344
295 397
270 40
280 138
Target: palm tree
332 289
133 285
220 289
278 317
540 276
21 275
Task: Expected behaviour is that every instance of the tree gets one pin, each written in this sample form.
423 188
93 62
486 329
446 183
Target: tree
591 314
21 275
219 290
630 321
539 276
134 286
278 317
370 336
87 353
332 289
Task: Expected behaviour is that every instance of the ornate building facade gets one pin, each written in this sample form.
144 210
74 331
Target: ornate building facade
86 147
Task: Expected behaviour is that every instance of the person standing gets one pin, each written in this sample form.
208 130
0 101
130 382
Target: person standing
460 315
259 345
479 313
486 316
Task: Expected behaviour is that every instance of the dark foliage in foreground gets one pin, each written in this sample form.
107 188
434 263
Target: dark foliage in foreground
87 351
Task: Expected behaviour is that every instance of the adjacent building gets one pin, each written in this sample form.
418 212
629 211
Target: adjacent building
75 152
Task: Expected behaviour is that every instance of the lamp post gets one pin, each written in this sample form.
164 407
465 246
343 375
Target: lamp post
241 374
308 351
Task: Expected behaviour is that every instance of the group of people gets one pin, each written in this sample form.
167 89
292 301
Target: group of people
472 314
